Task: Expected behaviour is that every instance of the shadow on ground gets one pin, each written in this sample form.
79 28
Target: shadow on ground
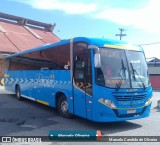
109 127
29 115
24 115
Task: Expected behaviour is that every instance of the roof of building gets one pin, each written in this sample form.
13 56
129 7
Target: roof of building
19 34
153 59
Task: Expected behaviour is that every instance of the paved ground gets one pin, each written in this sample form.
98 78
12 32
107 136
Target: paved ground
30 118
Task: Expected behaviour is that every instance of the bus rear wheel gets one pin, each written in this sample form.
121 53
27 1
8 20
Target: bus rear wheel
18 93
63 107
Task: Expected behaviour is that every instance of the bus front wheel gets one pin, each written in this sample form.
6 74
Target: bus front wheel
18 93
63 107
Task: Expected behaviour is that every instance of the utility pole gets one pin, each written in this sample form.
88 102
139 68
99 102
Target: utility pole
121 33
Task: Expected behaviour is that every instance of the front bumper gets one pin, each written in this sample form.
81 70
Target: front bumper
114 115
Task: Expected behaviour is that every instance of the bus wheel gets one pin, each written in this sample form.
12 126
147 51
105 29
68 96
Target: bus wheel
18 93
63 107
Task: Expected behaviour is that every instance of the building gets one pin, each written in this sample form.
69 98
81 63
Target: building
154 72
18 34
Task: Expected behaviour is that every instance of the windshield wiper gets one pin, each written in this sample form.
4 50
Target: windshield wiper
123 69
134 76
118 85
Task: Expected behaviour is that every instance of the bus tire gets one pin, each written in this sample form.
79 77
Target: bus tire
63 107
18 93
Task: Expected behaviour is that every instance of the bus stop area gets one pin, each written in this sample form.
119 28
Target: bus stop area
80 84
30 118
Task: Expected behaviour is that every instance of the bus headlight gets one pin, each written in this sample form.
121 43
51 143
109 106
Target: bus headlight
148 101
107 102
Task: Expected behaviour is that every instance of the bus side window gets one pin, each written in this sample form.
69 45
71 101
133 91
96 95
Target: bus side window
100 77
79 69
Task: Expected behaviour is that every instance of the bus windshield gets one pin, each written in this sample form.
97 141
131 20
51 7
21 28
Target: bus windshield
122 69
138 69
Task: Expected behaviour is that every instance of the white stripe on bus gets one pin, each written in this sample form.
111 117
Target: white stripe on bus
30 98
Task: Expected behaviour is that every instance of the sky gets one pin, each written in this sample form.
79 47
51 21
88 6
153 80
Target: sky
96 18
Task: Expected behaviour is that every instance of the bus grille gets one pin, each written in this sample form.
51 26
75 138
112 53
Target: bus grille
129 98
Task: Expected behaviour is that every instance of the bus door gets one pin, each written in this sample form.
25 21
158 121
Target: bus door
82 84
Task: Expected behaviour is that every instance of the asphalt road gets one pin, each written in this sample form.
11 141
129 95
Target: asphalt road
30 118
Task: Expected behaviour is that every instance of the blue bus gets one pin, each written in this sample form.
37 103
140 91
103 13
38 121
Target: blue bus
101 80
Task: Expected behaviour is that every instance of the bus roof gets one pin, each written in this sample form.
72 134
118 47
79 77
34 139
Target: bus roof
100 42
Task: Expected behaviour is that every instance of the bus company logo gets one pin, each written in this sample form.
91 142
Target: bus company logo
133 103
138 102
41 81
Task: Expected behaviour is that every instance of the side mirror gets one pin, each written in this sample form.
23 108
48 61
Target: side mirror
97 57
97 60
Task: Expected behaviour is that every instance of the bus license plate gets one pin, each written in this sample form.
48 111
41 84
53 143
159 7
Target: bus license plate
131 111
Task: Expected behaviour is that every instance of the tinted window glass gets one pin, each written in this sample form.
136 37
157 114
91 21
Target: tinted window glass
82 67
47 59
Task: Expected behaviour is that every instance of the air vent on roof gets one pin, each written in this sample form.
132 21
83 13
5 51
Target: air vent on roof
27 22
2 29
34 33
3 55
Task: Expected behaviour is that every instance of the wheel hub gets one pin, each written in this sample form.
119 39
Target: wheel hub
64 106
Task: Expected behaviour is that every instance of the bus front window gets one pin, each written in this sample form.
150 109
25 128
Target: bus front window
113 72
138 69
122 69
